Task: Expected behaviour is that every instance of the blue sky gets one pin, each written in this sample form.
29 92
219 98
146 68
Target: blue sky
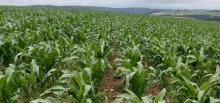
171 4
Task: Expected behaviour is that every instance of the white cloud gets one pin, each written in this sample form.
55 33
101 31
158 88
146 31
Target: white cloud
190 4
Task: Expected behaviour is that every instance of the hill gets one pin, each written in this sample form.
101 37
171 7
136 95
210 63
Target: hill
125 10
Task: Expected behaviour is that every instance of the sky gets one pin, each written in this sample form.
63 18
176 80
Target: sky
161 4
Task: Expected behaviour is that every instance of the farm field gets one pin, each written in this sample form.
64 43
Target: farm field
188 12
209 15
59 55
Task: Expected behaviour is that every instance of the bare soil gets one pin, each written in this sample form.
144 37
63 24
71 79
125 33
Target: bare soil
154 90
111 84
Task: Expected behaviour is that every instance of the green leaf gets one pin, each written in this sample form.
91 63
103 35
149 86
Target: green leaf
69 58
213 100
161 95
49 73
200 95
57 90
218 69
35 67
147 99
15 98
9 71
205 85
46 100
87 89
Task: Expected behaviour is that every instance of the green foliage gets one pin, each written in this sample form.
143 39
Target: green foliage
130 97
55 55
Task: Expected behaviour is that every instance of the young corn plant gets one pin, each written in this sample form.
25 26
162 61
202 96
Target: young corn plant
131 97
192 92
19 82
133 72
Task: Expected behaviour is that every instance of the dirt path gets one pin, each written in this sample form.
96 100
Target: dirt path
111 84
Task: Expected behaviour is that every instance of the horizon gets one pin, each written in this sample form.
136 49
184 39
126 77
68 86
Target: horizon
106 7
152 4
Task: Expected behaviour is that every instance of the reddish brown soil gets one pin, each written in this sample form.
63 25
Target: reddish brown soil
110 83
154 90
